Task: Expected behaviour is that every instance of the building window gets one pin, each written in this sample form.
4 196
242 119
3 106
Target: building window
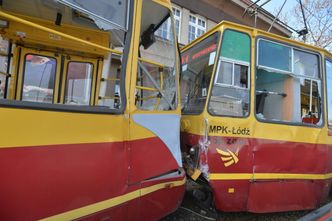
164 31
197 27
177 20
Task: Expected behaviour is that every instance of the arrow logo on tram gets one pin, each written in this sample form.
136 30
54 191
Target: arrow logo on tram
228 157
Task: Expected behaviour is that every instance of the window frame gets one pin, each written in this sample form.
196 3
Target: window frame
321 79
196 26
233 62
217 69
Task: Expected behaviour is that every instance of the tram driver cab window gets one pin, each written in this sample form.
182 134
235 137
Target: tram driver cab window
197 68
288 84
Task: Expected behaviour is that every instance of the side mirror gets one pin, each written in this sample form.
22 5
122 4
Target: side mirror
148 37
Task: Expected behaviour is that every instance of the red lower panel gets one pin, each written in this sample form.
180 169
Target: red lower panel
230 195
292 195
160 203
38 182
266 156
149 158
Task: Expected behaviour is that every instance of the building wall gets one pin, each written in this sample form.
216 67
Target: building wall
215 11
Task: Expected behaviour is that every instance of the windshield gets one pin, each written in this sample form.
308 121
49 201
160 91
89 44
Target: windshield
197 67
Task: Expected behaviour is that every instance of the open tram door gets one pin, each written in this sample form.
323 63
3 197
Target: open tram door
76 138
154 108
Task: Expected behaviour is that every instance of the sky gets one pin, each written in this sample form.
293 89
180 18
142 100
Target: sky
273 5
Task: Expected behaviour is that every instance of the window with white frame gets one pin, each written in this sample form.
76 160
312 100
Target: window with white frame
177 20
164 31
197 27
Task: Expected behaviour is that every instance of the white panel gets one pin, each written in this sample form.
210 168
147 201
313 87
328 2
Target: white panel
166 127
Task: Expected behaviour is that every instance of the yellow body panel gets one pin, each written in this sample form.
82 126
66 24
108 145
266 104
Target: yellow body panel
38 127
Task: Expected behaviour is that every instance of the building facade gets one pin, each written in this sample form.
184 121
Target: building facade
195 17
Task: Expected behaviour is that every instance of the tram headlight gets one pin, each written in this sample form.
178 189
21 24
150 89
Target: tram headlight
192 151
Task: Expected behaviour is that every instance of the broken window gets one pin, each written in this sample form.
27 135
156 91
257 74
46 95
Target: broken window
156 86
230 91
288 84
197 67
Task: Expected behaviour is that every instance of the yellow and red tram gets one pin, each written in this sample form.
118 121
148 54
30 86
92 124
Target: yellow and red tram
85 87
256 124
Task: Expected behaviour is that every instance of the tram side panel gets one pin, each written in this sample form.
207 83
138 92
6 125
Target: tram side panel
62 156
274 161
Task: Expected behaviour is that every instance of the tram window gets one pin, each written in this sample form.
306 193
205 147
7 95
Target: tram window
288 95
156 86
78 83
329 90
305 64
39 78
197 67
274 55
230 91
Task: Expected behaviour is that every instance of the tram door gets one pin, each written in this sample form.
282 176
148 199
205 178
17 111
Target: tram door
155 155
